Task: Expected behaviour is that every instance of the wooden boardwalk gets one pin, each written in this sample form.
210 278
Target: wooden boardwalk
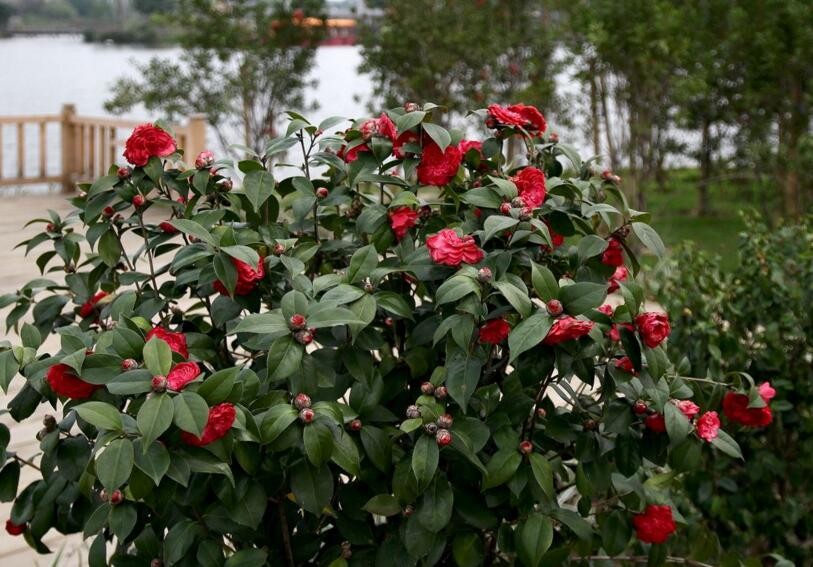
15 211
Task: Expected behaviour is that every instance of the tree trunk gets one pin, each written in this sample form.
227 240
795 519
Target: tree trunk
607 130
790 158
594 118
703 204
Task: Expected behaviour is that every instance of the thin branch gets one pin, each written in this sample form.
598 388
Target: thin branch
25 462
286 536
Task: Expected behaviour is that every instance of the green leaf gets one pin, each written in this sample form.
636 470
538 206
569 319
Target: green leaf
543 474
497 224
677 425
154 417
192 228
383 505
435 508
109 248
318 443
377 447
615 533
439 134
518 299
101 415
157 357
190 412
533 538
409 120
243 253
277 420
725 443
263 324
258 187
328 315
394 303
225 271
581 297
362 264
284 357
248 558
649 238
529 333
312 486
502 466
591 246
463 375
544 282
425 457
115 463
455 288
154 462
468 549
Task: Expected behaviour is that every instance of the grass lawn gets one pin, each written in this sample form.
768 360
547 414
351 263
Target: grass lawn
674 213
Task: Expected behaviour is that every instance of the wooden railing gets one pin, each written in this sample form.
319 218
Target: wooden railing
87 146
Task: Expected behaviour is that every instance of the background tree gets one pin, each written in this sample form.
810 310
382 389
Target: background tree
6 12
460 54
243 64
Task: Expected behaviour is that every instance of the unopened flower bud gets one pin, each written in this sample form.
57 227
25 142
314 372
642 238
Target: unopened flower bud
388 321
639 407
441 392
124 172
50 227
445 421
108 211
159 383
526 213
443 437
322 193
116 497
279 249
425 212
129 364
526 447
304 337
225 185
297 321
408 510
541 413
205 159
518 202
484 275
355 425
430 428
368 287
505 208
138 201
590 424
427 388
554 307
554 138
307 415
411 106
413 412
49 422
302 401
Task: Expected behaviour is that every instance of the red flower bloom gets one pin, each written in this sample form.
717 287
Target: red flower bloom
688 408
167 228
655 422
614 254
182 374
221 418
567 329
625 364
615 331
449 249
381 126
654 328
176 341
465 145
148 141
556 239
522 115
401 220
620 275
735 407
655 525
408 137
607 309
352 154
89 306
64 382
530 183
436 167
247 277
495 331
708 425
14 529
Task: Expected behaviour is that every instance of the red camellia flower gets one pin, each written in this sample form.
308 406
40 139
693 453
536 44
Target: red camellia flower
527 117
148 141
655 422
408 137
567 329
655 525
625 364
401 220
221 418
14 529
182 374
436 167
708 425
735 407
688 408
614 254
530 183
89 306
247 277
607 309
176 341
495 331
620 275
615 331
381 126
64 382
352 154
654 328
449 249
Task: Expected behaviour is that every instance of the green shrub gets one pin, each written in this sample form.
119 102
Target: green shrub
757 319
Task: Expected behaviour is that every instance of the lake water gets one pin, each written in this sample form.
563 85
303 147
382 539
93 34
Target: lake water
42 73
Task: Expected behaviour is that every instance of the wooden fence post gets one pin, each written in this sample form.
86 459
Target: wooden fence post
196 137
68 149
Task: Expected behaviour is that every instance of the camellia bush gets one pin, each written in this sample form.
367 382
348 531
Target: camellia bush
754 318
401 354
